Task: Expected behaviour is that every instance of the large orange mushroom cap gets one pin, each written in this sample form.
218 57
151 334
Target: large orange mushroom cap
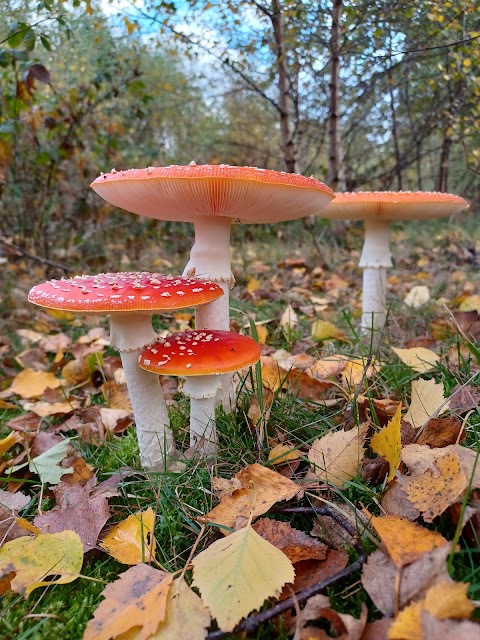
387 205
185 193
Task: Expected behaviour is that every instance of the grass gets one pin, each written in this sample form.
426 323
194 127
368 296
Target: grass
179 498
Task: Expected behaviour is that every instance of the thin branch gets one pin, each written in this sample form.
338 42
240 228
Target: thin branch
31 256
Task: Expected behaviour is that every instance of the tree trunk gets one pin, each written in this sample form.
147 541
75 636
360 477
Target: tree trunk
336 177
284 88
442 179
396 145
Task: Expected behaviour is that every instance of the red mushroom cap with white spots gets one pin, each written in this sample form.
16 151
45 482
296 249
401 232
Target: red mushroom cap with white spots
185 193
200 353
126 292
393 205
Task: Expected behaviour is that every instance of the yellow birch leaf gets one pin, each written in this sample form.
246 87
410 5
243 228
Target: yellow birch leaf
64 316
427 398
262 333
131 541
45 409
282 453
323 330
418 358
336 457
433 493
137 601
449 600
387 442
470 303
408 624
58 556
31 384
28 526
8 442
235 575
405 541
186 617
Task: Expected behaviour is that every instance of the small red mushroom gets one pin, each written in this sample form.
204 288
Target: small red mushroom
201 356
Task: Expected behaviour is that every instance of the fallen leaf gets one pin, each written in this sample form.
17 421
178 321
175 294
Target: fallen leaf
45 409
137 600
186 617
116 396
418 358
131 541
47 464
7 443
14 501
289 319
76 371
417 297
405 541
435 629
323 330
407 625
390 589
433 493
237 573
282 453
78 510
449 600
224 486
56 556
295 544
387 442
419 458
427 399
262 488
470 303
441 432
32 384
256 417
464 399
115 420
396 503
310 572
336 457
355 371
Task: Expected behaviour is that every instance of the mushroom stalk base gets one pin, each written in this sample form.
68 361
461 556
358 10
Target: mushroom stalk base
202 392
375 260
155 439
374 299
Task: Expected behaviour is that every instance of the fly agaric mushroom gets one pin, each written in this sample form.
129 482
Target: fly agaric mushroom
378 209
131 299
213 197
201 356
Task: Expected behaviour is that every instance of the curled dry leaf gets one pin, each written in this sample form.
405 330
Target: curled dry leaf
440 432
261 489
138 598
131 541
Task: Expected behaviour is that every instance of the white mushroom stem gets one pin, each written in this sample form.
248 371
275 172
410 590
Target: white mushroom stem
374 261
130 333
203 433
210 259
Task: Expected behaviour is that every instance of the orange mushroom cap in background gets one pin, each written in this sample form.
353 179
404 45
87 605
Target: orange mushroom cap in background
393 205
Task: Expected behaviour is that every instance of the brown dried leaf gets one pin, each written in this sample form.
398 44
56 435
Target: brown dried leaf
440 432
434 629
76 509
116 396
31 384
380 578
464 399
295 544
260 485
396 503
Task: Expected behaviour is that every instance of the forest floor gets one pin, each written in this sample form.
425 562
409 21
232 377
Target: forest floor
326 395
